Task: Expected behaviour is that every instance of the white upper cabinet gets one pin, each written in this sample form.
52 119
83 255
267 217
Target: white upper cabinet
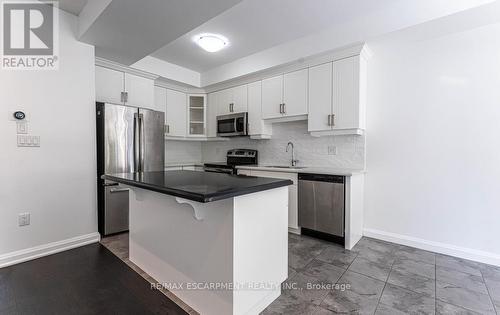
295 93
240 99
212 103
109 85
184 114
196 115
225 100
161 101
347 105
176 113
272 97
113 86
320 97
257 128
336 97
139 91
285 95
232 100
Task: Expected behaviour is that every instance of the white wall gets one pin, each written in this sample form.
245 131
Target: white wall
168 70
56 182
433 142
310 151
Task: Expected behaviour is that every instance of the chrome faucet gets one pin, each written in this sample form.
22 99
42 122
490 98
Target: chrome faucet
294 161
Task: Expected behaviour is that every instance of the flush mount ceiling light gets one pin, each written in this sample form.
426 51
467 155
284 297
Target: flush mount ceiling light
211 42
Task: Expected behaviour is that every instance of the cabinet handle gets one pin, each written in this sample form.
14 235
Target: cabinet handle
122 97
281 110
125 97
167 129
329 120
284 108
232 107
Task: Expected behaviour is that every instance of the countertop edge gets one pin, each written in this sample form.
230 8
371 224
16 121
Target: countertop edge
309 170
199 197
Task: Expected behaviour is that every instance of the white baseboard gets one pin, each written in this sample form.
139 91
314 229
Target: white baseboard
437 247
47 249
294 230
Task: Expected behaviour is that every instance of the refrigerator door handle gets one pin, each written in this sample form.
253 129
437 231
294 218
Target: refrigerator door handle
142 143
136 142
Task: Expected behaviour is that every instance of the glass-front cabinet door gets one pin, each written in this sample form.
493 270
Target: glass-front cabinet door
197 115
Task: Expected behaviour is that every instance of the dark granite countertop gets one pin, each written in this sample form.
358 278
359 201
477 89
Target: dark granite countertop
198 186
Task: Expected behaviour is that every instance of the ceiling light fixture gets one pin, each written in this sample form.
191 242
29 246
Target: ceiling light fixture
211 42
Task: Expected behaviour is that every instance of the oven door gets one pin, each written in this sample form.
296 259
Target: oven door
232 125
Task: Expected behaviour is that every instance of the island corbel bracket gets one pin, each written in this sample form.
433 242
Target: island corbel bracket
198 207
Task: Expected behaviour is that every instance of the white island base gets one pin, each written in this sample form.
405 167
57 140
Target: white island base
189 246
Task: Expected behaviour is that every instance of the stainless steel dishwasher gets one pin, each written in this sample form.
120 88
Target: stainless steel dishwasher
322 206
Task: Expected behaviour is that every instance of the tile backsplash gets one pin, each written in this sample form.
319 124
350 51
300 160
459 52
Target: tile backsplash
182 152
310 151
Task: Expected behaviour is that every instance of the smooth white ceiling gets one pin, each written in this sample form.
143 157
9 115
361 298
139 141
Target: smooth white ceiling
72 6
255 25
128 30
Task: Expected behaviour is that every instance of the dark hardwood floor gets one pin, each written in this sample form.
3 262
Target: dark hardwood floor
86 280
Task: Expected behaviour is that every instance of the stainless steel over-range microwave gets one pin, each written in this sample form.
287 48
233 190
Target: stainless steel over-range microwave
232 125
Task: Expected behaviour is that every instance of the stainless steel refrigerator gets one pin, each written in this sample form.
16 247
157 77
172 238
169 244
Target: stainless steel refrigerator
129 140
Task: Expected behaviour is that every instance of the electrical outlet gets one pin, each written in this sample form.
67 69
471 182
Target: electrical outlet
332 150
24 219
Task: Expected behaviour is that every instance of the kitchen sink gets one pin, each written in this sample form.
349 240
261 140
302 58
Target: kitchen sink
290 167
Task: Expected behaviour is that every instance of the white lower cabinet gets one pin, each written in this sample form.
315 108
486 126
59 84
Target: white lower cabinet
293 214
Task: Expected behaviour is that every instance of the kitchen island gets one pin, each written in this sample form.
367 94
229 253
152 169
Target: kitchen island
219 242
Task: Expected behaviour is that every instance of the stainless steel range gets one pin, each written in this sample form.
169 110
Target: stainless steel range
234 158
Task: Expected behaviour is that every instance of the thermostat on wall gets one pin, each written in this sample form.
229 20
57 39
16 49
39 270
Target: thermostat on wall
19 115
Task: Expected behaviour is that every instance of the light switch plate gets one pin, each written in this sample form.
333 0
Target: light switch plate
22 127
28 141
24 219
332 150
